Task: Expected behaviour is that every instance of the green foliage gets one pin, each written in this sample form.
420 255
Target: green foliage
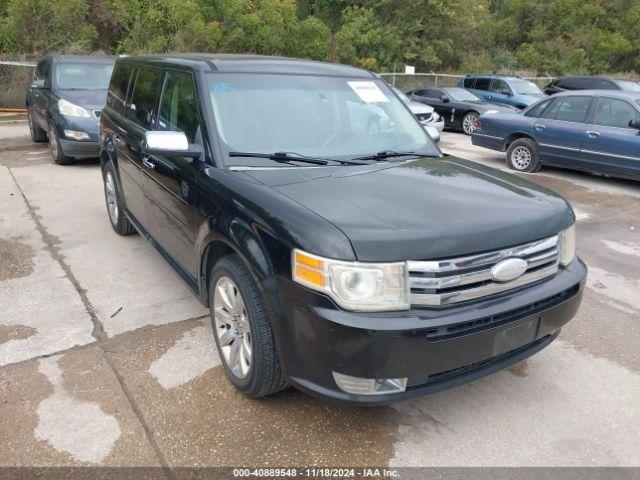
545 37
34 26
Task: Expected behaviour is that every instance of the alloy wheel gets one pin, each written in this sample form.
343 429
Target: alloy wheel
53 142
469 123
112 199
232 327
521 158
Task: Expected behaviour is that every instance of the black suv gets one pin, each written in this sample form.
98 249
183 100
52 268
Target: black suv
64 104
565 84
355 263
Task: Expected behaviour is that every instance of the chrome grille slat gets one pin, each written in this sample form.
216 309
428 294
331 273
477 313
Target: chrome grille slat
455 264
446 282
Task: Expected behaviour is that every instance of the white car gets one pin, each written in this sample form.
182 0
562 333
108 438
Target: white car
428 118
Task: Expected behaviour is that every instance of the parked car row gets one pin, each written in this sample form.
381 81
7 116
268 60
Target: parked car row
337 248
592 130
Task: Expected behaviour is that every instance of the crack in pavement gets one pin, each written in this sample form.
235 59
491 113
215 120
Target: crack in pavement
51 244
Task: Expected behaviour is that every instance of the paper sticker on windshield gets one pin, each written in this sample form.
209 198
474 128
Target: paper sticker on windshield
368 92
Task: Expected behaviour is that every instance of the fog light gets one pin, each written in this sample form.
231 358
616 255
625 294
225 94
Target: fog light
76 135
369 386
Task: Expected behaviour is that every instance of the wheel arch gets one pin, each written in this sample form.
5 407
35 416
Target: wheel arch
240 240
515 136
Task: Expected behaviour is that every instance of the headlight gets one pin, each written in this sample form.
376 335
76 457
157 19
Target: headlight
69 109
567 245
370 287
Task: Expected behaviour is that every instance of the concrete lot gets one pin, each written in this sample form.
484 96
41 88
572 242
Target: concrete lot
107 359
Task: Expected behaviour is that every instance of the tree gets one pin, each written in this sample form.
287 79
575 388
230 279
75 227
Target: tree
36 26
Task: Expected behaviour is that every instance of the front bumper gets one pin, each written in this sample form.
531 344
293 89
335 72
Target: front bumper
78 148
433 348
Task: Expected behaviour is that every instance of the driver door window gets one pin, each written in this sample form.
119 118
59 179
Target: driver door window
178 107
500 87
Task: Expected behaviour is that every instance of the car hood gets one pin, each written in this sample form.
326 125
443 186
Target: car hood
424 208
91 99
418 108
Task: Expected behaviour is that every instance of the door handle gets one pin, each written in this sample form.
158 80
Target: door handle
148 163
593 134
537 126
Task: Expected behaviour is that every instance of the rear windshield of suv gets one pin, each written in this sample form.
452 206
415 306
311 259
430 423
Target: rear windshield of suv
318 116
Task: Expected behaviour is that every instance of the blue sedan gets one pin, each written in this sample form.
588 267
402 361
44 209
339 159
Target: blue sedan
592 130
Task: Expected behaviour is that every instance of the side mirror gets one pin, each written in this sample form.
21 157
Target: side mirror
170 144
444 99
38 84
635 123
506 92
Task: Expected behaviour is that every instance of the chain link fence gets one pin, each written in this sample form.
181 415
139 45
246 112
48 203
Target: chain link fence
15 78
411 81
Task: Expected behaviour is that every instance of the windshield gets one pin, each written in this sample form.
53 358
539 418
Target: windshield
525 87
83 76
462 95
628 86
315 116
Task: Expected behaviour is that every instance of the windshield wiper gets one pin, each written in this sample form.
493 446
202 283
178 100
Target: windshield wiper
391 153
286 157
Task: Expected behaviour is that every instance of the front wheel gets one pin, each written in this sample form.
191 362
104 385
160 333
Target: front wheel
522 156
242 330
115 205
56 149
469 122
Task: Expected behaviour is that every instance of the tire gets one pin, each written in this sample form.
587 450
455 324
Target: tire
115 204
38 135
469 122
54 145
249 327
522 156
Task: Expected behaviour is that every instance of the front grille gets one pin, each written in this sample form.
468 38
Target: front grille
445 282
440 377
447 332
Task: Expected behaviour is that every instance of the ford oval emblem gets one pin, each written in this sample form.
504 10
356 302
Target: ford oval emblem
508 269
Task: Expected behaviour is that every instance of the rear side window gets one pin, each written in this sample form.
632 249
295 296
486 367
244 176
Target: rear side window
614 112
178 107
468 82
143 98
569 109
482 83
538 109
118 87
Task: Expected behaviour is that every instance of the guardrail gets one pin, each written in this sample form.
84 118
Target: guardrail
15 78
